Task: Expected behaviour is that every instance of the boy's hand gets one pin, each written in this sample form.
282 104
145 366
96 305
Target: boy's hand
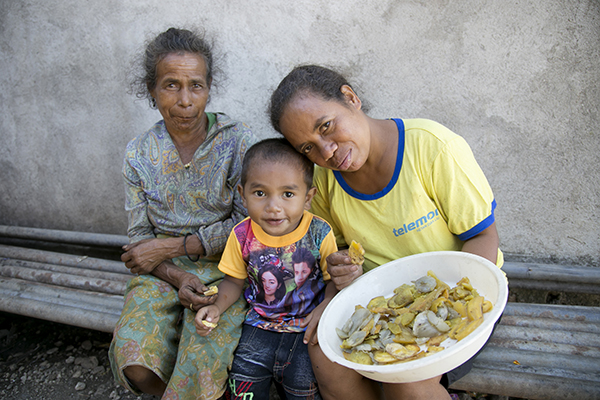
209 314
311 322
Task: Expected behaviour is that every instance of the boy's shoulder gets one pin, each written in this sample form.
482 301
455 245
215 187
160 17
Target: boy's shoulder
242 229
319 221
319 227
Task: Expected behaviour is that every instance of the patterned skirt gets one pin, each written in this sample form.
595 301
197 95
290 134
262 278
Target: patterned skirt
156 332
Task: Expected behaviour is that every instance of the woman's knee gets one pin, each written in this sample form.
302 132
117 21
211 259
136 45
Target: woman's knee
145 380
338 382
136 372
349 386
429 389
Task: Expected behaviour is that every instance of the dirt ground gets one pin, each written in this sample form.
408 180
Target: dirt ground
50 361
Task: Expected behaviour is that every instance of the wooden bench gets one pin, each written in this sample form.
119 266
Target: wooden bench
539 351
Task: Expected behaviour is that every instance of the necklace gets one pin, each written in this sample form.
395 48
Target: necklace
199 141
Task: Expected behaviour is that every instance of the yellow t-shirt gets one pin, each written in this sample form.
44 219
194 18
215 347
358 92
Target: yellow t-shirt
437 198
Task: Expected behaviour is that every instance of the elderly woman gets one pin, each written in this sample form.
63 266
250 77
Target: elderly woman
181 177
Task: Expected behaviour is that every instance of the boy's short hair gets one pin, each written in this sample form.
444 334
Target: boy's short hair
277 150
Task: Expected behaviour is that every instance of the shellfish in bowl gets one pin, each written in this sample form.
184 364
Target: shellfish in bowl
386 329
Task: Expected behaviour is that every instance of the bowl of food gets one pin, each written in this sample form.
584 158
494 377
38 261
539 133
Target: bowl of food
376 328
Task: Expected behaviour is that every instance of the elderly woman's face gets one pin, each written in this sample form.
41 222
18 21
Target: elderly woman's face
181 92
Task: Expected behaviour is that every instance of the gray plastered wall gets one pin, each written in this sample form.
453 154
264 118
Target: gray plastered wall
519 80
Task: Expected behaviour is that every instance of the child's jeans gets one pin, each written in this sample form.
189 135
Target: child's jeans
264 355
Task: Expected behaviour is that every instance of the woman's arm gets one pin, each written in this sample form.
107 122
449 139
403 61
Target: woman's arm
143 256
136 203
189 285
146 252
464 197
484 244
213 237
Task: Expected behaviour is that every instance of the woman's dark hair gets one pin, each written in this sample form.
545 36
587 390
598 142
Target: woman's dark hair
277 150
171 41
280 292
306 79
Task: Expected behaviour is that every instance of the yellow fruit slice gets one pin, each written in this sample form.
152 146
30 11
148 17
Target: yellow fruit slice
356 253
209 324
211 290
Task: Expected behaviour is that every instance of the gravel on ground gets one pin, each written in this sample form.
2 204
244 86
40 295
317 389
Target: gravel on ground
45 360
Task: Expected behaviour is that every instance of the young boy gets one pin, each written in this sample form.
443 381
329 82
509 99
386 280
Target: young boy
285 302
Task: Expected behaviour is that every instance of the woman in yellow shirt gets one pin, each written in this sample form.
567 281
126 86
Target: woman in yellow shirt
399 187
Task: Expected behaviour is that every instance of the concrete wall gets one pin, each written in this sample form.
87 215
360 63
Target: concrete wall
518 79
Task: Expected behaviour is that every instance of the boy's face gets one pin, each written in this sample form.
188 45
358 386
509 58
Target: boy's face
276 196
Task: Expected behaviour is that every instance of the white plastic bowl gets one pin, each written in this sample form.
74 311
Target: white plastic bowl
448 266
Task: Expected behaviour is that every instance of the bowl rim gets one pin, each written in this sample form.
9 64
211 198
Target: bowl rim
485 328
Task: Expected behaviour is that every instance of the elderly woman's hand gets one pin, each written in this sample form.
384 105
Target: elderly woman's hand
190 293
143 256
341 269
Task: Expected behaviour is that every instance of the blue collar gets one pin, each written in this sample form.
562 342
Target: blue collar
391 184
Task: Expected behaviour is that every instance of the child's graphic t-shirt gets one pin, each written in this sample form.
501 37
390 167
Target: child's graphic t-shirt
286 274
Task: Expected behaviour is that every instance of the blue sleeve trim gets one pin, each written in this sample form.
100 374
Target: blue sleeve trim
480 227
392 182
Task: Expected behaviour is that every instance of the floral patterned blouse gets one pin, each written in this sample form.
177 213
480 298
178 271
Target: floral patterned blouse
166 197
